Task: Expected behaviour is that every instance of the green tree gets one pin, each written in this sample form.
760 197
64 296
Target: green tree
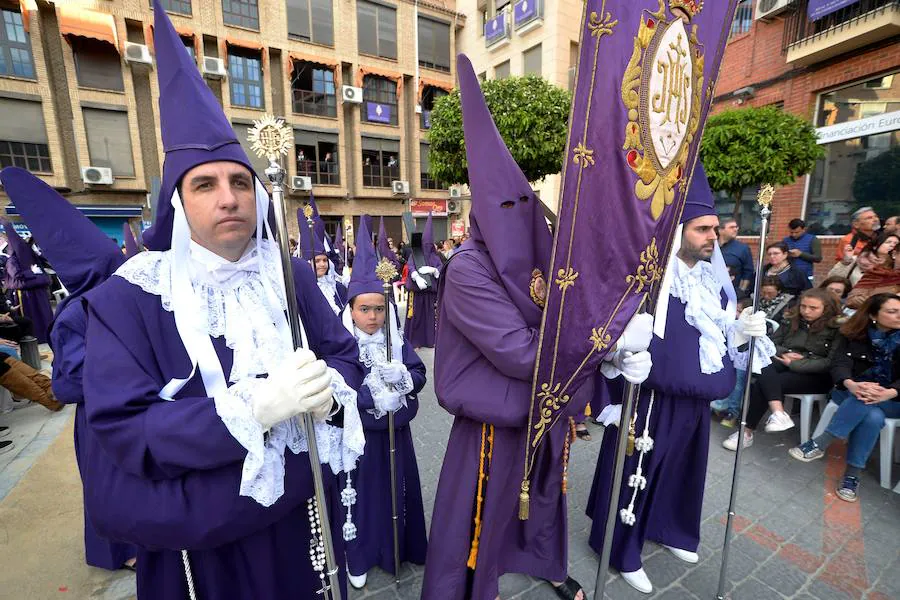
877 183
532 116
753 146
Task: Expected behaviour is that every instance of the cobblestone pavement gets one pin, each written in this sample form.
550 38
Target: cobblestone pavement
794 538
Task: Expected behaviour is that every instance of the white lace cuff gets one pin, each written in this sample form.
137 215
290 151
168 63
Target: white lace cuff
338 447
764 350
387 396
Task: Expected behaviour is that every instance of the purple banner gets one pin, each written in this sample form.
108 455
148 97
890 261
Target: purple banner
821 8
378 113
642 96
495 29
525 11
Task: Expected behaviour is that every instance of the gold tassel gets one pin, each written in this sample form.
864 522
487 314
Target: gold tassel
409 300
487 441
524 501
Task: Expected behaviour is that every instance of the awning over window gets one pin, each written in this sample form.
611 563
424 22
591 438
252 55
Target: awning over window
424 81
363 71
184 32
88 23
97 210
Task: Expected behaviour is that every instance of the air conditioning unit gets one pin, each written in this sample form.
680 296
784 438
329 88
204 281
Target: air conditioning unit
301 184
138 53
454 207
97 175
455 192
766 9
214 68
400 187
352 94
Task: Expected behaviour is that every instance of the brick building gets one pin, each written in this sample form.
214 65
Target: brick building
839 70
78 96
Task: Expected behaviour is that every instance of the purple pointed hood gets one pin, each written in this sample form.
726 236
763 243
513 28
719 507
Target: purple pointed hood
131 246
699 201
311 243
363 279
194 128
431 255
81 254
507 217
16 245
384 248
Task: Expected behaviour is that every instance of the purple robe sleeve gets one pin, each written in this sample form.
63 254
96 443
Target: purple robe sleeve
67 341
479 307
143 434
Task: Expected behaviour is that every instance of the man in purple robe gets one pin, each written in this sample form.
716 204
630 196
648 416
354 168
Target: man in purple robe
391 384
694 355
423 266
83 257
27 281
490 301
192 386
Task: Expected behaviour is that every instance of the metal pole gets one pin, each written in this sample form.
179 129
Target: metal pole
632 392
386 272
276 176
764 213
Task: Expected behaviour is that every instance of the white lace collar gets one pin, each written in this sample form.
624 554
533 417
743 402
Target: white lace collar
328 285
209 268
699 290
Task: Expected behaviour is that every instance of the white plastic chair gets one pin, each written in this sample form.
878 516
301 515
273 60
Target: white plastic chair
806 405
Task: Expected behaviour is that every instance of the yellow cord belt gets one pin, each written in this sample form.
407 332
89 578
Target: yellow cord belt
487 450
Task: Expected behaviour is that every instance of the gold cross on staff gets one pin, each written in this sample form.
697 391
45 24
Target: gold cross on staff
386 271
270 137
766 194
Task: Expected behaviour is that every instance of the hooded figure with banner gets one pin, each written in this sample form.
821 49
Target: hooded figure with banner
423 268
384 247
313 246
192 385
390 385
30 285
490 301
83 257
695 350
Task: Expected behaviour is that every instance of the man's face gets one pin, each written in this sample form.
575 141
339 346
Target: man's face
728 232
892 224
699 238
868 221
220 206
321 265
368 312
797 232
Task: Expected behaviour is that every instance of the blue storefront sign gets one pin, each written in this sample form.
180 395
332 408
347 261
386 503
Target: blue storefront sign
496 29
822 8
378 113
525 12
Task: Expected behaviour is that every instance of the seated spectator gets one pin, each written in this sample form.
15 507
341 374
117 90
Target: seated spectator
804 344
804 248
840 287
12 326
866 373
892 224
865 224
23 381
792 278
883 276
773 299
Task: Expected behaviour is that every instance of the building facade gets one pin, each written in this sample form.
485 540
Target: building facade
836 65
521 37
355 80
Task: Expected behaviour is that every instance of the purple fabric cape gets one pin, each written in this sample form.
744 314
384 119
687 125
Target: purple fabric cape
626 171
32 290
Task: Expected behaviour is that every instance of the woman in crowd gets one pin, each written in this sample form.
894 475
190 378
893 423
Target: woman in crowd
839 286
773 299
866 372
882 276
804 345
793 279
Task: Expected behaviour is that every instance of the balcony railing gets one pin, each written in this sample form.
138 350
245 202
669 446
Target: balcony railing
314 103
320 171
378 176
858 24
498 28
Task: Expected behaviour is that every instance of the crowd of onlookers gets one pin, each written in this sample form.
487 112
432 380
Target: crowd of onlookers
841 337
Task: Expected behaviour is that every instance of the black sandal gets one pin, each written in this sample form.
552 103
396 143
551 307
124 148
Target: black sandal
583 434
569 589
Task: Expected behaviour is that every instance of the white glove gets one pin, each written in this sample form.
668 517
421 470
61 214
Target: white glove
637 335
610 415
430 271
301 384
392 372
420 282
635 367
752 324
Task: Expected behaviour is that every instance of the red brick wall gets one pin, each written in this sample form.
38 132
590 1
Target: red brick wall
754 58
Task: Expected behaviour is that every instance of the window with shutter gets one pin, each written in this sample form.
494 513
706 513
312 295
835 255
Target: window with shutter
109 140
434 44
97 64
376 29
531 60
23 138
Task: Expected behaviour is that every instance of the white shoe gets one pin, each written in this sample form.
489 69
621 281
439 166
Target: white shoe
639 581
779 421
357 581
730 442
685 555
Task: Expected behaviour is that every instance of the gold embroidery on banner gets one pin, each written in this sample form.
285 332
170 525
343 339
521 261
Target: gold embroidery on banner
538 288
565 278
551 401
600 28
600 339
583 157
648 272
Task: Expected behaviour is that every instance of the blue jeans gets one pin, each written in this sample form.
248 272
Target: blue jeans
860 424
733 401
